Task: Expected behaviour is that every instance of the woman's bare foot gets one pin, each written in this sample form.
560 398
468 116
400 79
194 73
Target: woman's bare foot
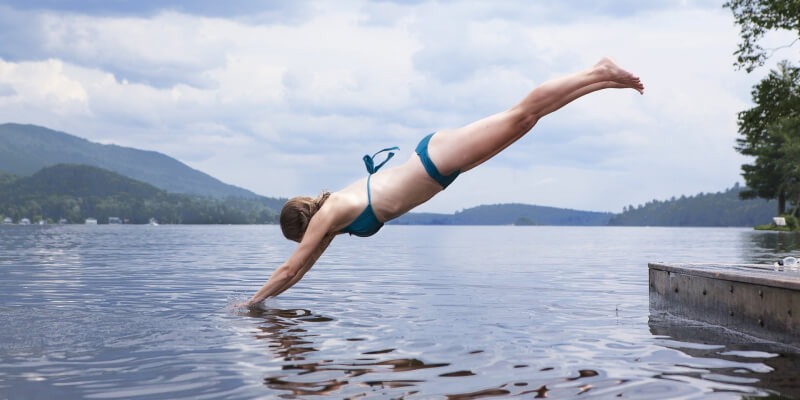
621 77
617 85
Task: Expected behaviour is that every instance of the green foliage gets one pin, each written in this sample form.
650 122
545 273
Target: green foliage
709 209
77 192
791 221
757 17
769 130
772 227
788 129
791 225
6 178
769 133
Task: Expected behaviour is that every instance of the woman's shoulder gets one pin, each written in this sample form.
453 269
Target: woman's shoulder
344 197
342 207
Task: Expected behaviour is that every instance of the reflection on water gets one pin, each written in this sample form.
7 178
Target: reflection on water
733 359
109 312
764 247
304 373
288 341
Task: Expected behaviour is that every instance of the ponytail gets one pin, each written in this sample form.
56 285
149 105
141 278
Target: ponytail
297 213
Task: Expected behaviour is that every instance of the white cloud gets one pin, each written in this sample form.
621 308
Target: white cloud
41 86
286 107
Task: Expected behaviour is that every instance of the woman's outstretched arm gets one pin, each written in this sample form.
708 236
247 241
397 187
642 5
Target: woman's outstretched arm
309 263
315 241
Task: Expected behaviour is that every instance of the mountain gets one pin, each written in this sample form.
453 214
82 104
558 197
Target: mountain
705 209
25 149
6 177
509 214
77 192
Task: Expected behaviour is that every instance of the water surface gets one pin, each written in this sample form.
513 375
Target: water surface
108 312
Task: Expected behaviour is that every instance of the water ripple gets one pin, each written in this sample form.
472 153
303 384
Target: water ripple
110 312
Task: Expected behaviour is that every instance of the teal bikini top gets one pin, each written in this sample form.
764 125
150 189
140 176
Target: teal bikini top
367 223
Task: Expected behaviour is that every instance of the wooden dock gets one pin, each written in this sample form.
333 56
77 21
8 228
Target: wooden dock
753 299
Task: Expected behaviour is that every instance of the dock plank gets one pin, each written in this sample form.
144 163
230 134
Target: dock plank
754 299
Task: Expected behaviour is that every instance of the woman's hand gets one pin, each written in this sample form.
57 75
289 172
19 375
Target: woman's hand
242 307
249 304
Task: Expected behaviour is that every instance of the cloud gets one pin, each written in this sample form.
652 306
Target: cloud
162 51
284 98
276 10
7 90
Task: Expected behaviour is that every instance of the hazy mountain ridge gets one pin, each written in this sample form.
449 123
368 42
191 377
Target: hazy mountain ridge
25 149
76 192
80 181
704 209
509 214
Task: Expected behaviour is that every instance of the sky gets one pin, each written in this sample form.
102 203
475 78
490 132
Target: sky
285 97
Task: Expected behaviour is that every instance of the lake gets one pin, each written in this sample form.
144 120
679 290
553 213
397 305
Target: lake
147 312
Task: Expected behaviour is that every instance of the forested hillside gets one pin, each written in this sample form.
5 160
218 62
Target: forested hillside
6 177
510 214
705 209
77 192
25 149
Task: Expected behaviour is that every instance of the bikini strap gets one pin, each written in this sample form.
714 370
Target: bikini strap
369 162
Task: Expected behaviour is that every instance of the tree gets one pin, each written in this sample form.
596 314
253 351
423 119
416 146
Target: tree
789 163
766 128
764 134
757 17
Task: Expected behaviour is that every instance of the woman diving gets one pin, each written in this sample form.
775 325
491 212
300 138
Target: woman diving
362 207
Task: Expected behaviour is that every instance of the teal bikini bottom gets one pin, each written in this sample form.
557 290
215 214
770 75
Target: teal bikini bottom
430 167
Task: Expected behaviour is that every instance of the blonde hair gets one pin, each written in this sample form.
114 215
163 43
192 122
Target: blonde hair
297 213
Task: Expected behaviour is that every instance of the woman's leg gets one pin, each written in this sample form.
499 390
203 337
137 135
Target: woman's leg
467 147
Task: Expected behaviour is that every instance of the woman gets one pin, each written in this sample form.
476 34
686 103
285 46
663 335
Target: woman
362 207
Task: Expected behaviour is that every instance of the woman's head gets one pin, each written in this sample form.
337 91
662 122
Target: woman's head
297 213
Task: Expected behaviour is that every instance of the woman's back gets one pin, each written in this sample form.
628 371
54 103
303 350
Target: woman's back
393 192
